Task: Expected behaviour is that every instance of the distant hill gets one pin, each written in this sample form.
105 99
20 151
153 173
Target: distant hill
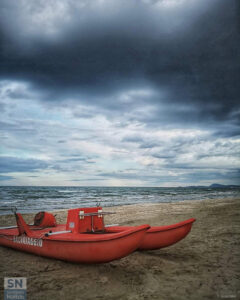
214 186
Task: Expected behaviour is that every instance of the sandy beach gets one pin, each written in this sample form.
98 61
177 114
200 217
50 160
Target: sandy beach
205 265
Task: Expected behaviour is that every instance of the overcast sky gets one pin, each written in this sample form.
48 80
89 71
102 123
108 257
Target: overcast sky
119 92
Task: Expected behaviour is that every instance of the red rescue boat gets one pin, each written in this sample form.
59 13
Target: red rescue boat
81 240
160 236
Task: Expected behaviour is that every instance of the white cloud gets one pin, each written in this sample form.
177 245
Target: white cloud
80 142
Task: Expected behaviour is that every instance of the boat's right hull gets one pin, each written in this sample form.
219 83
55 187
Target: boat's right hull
158 237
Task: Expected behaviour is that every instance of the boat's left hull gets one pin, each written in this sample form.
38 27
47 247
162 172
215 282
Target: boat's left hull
87 250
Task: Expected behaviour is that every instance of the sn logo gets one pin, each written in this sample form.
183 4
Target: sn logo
15 283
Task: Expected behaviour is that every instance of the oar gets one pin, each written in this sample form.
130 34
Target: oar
83 214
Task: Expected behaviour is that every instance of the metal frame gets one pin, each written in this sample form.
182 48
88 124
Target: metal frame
57 232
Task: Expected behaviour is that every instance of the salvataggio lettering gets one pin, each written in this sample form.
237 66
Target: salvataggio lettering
28 241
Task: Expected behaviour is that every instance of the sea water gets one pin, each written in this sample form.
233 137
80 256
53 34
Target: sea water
33 199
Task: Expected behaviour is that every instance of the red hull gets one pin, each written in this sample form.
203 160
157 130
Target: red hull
160 236
81 248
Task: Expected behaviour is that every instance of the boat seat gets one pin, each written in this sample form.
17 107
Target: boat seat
85 220
44 219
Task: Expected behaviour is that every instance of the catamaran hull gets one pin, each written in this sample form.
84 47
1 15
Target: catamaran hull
158 237
89 250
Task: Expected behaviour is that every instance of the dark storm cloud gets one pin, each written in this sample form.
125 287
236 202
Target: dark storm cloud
16 127
133 176
3 177
133 139
76 160
102 53
187 177
87 179
13 164
228 131
229 176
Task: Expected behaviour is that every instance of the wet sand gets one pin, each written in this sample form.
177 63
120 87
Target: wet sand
205 265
